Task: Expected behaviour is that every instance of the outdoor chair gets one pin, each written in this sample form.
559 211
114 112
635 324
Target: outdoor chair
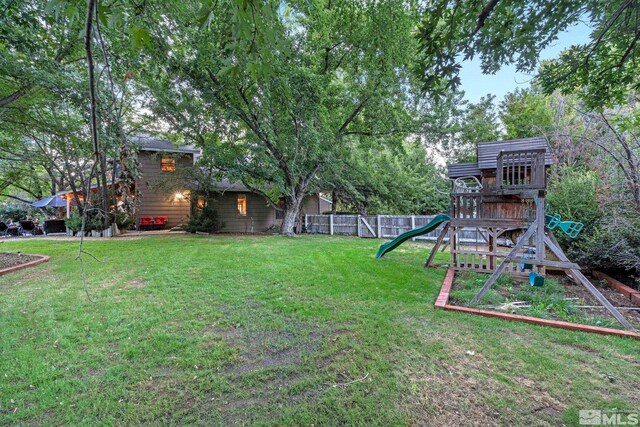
160 222
13 230
28 227
146 222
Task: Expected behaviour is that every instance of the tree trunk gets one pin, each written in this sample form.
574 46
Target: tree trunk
291 213
334 202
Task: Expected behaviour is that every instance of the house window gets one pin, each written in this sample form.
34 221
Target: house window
242 204
168 165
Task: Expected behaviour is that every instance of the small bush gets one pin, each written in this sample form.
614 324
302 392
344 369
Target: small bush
14 212
123 220
74 222
206 221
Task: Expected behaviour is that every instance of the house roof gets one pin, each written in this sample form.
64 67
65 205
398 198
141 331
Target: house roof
458 170
150 143
226 185
488 155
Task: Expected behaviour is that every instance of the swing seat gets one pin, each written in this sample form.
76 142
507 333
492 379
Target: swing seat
523 265
571 228
552 221
535 279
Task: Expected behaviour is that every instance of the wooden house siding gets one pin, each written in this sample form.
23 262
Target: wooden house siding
325 205
158 202
261 216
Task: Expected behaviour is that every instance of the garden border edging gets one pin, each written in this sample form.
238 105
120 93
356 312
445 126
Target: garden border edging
443 302
43 258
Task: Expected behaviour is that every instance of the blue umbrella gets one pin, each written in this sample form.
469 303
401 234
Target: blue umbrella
51 201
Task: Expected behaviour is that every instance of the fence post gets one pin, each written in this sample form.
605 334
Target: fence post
413 225
379 226
358 226
306 222
331 224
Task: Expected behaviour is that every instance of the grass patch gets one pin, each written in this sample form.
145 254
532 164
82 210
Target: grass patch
268 330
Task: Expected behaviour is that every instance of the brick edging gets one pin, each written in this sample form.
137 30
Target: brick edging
43 258
443 302
627 291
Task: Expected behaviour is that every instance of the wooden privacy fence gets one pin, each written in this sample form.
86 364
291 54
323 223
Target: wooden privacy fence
380 226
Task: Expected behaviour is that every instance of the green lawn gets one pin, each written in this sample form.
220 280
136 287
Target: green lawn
265 330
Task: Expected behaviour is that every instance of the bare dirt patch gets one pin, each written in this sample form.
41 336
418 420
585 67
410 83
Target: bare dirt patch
137 283
630 312
11 259
278 363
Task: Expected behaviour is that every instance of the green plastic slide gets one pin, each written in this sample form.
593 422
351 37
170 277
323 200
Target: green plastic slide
433 224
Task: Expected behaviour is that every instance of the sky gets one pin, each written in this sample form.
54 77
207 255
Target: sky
475 84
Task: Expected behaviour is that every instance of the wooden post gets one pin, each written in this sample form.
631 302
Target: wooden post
587 284
507 260
492 247
358 225
540 212
331 224
413 225
306 222
435 247
379 226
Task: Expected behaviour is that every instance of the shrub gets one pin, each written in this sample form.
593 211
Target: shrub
205 221
74 222
123 220
14 212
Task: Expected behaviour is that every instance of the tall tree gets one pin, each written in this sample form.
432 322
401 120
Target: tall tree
278 89
458 126
526 113
515 32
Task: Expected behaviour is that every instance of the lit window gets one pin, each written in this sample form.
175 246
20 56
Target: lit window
168 165
242 204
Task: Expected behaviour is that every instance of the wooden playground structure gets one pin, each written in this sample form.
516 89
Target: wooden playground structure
503 196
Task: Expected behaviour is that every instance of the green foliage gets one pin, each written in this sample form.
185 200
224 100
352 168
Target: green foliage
206 221
573 193
123 220
404 180
526 113
74 222
15 212
277 92
515 32
457 126
498 32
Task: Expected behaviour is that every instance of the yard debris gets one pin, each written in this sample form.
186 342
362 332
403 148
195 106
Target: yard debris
471 352
348 383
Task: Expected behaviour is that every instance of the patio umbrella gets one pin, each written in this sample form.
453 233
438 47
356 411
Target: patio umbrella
51 201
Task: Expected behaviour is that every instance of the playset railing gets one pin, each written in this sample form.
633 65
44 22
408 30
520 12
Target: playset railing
521 170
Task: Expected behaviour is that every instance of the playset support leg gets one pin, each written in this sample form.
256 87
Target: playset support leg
540 249
443 233
524 239
587 284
